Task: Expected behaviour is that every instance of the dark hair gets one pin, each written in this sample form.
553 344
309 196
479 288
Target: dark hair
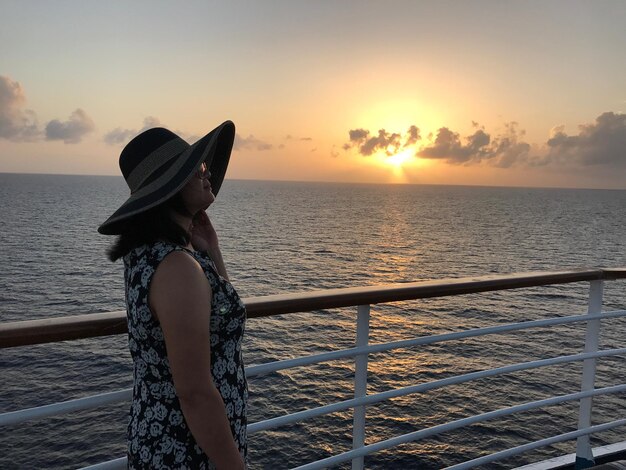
150 226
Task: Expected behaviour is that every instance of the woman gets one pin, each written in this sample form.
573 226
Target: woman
185 320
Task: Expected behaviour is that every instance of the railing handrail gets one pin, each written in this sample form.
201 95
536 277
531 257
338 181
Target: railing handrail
91 325
456 424
85 326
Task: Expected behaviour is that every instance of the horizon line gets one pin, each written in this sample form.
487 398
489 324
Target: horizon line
342 182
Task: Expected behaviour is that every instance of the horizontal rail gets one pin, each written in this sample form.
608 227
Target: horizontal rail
121 463
537 444
568 460
54 409
275 366
251 371
335 298
424 387
15 417
117 464
452 425
110 323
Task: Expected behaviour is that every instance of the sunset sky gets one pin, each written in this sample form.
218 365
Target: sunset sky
526 93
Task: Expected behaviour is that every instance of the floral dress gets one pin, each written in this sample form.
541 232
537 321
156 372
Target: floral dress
158 436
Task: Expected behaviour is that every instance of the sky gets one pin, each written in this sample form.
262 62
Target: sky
500 93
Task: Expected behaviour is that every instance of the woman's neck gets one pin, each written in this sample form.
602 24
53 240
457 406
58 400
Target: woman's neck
186 223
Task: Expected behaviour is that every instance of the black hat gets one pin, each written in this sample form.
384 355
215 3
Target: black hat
157 164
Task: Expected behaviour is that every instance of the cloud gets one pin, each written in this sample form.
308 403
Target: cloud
413 135
121 136
507 149
290 139
358 135
600 143
250 142
504 150
21 125
386 142
71 131
16 124
448 146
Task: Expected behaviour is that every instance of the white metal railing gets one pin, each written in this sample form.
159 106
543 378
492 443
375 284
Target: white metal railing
584 455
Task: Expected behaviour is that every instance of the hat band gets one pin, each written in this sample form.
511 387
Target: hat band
155 160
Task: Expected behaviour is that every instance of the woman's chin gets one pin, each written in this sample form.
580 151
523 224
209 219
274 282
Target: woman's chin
210 200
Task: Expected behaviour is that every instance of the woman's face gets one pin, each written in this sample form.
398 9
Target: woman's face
197 194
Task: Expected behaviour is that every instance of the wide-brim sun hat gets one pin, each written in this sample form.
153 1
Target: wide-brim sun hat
157 164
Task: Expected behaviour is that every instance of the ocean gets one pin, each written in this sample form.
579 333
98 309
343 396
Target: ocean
285 237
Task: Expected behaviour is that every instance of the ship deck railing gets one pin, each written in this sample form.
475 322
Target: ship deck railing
32 332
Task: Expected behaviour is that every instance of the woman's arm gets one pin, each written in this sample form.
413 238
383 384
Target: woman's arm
180 297
204 238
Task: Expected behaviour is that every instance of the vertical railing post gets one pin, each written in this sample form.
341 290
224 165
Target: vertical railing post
584 454
360 382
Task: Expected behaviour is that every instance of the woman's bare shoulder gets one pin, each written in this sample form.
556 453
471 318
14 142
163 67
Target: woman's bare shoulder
179 281
179 263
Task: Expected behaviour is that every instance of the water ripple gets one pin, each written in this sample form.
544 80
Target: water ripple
285 237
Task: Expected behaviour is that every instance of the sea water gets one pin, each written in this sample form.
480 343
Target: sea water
285 237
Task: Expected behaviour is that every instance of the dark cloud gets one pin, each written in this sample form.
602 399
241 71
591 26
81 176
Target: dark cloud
503 150
21 125
507 149
290 137
357 135
121 136
191 138
16 124
413 135
448 146
599 143
71 131
389 143
386 142
602 142
250 142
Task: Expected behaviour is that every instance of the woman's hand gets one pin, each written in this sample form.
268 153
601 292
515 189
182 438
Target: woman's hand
203 234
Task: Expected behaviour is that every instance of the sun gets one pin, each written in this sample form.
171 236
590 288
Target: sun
396 164
400 158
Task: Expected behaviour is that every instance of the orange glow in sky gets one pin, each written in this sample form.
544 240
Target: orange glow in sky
477 93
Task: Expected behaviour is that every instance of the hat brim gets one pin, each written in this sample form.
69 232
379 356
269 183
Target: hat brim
214 149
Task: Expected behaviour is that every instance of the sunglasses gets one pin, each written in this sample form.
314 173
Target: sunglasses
203 172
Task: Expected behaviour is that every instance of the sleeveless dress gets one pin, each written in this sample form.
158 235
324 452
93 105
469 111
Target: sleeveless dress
158 436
